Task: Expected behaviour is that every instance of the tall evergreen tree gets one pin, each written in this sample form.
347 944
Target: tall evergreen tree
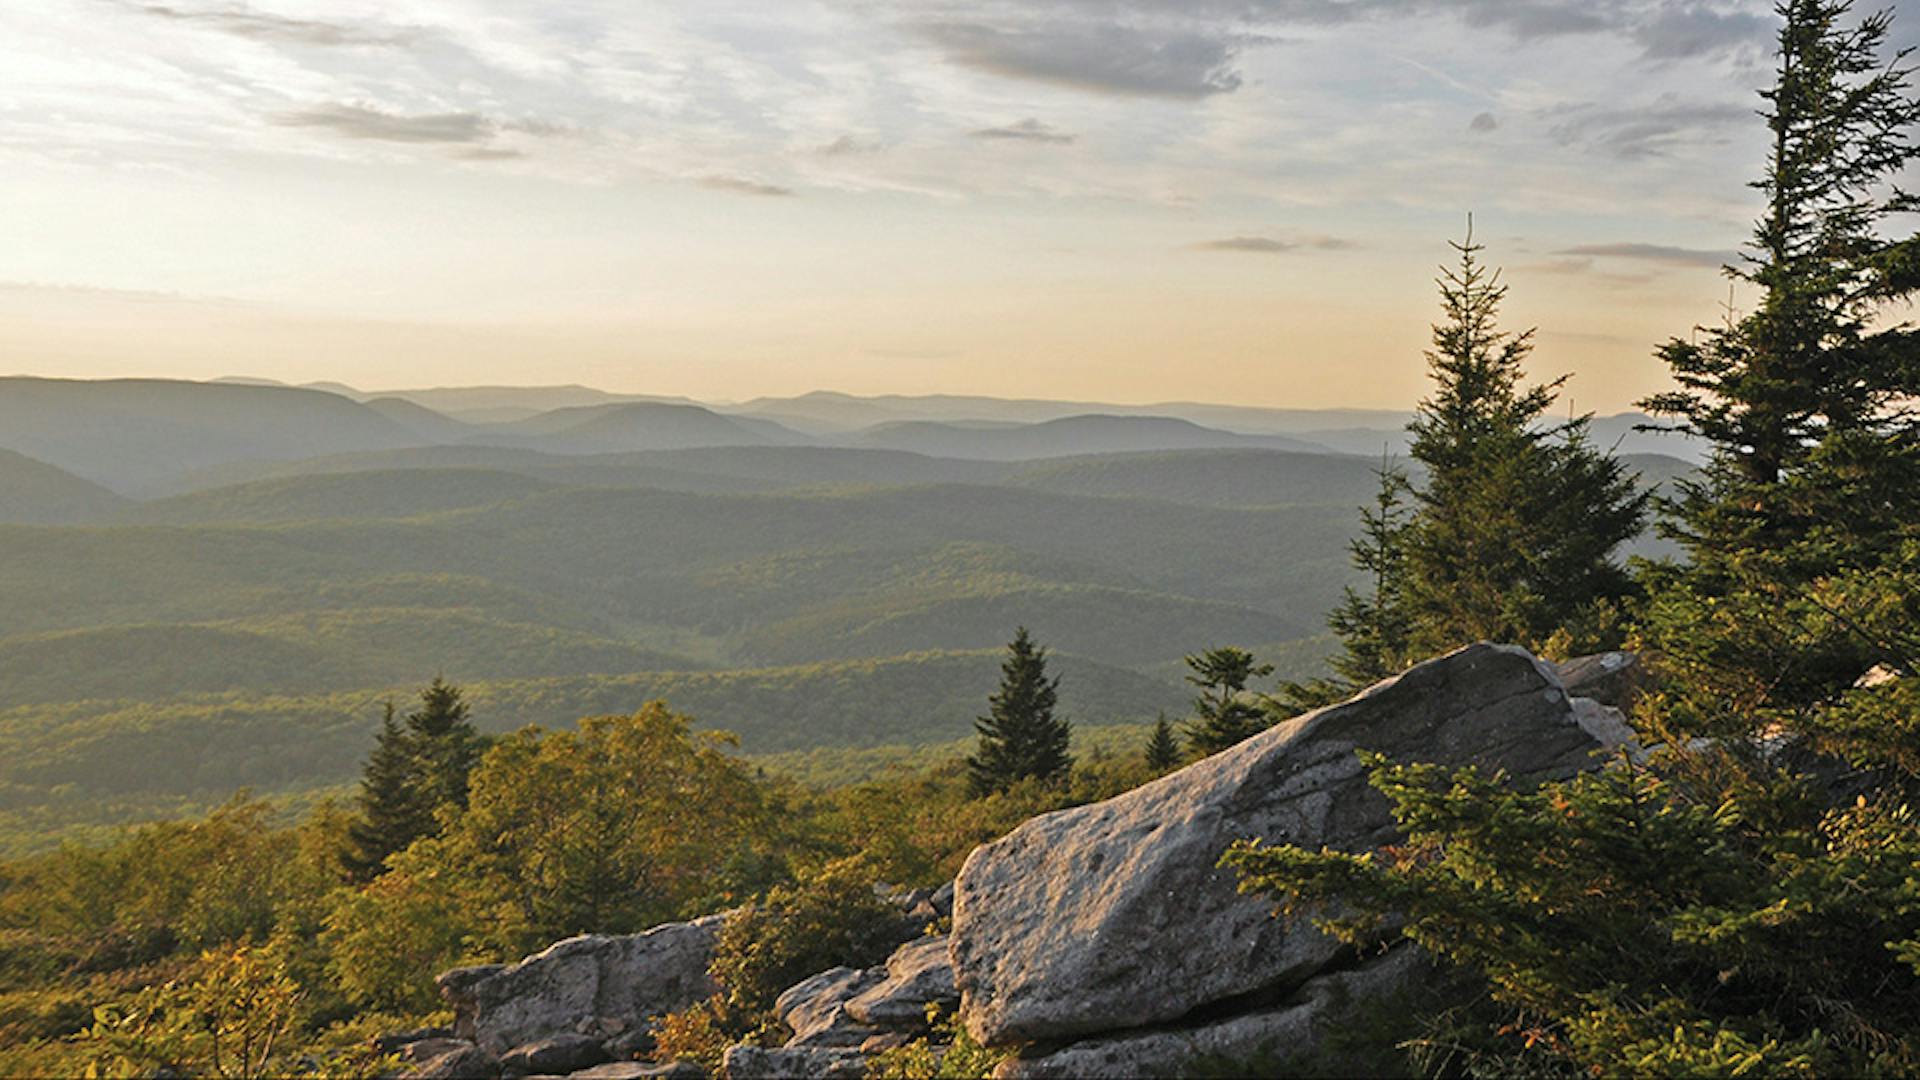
1803 534
445 743
1223 712
416 767
1510 531
1021 737
1163 750
1516 518
392 812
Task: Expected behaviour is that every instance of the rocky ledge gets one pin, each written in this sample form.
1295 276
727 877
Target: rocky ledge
1100 940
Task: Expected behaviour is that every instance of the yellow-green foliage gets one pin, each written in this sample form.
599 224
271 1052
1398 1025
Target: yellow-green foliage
830 918
229 1019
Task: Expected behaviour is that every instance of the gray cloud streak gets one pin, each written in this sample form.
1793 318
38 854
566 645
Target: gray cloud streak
1097 56
242 22
362 122
1028 130
1651 130
1267 245
742 186
1653 253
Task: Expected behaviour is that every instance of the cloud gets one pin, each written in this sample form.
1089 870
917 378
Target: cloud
363 122
1653 253
1685 33
1029 130
847 145
1484 123
1267 245
242 22
489 153
1653 130
1098 56
743 186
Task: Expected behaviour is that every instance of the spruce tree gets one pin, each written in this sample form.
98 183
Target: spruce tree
392 811
416 767
1803 533
1516 518
1021 737
1163 750
1223 712
1509 532
445 743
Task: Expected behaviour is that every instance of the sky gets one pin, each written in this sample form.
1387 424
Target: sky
1122 200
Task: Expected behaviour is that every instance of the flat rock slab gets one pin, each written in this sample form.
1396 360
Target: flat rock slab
815 1063
1116 915
594 984
1298 1038
465 1062
556 1055
815 1009
641 1070
918 974
1610 678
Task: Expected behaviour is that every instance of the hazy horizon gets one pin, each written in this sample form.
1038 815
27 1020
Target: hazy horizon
1130 201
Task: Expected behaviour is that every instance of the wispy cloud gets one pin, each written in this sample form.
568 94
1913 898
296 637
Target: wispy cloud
1653 253
742 186
1029 130
847 146
489 153
1101 57
247 23
1269 245
365 122
1655 129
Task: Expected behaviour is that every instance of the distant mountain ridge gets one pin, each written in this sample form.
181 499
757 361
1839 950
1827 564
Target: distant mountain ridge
1064 437
131 434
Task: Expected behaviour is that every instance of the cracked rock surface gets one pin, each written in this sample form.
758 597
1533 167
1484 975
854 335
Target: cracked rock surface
1116 916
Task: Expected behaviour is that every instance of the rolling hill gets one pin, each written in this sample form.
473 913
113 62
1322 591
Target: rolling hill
36 493
599 429
386 493
316 554
71 768
131 435
1065 437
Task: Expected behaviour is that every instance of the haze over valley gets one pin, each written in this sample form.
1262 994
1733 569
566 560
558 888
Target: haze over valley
210 586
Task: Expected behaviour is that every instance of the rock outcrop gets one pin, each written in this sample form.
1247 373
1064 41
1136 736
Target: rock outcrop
1610 678
815 1009
1116 916
595 985
1103 940
918 974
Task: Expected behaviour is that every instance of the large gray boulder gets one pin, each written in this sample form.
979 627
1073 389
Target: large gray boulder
595 985
1117 915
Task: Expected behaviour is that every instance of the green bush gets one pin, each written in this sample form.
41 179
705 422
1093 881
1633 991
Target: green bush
827 919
